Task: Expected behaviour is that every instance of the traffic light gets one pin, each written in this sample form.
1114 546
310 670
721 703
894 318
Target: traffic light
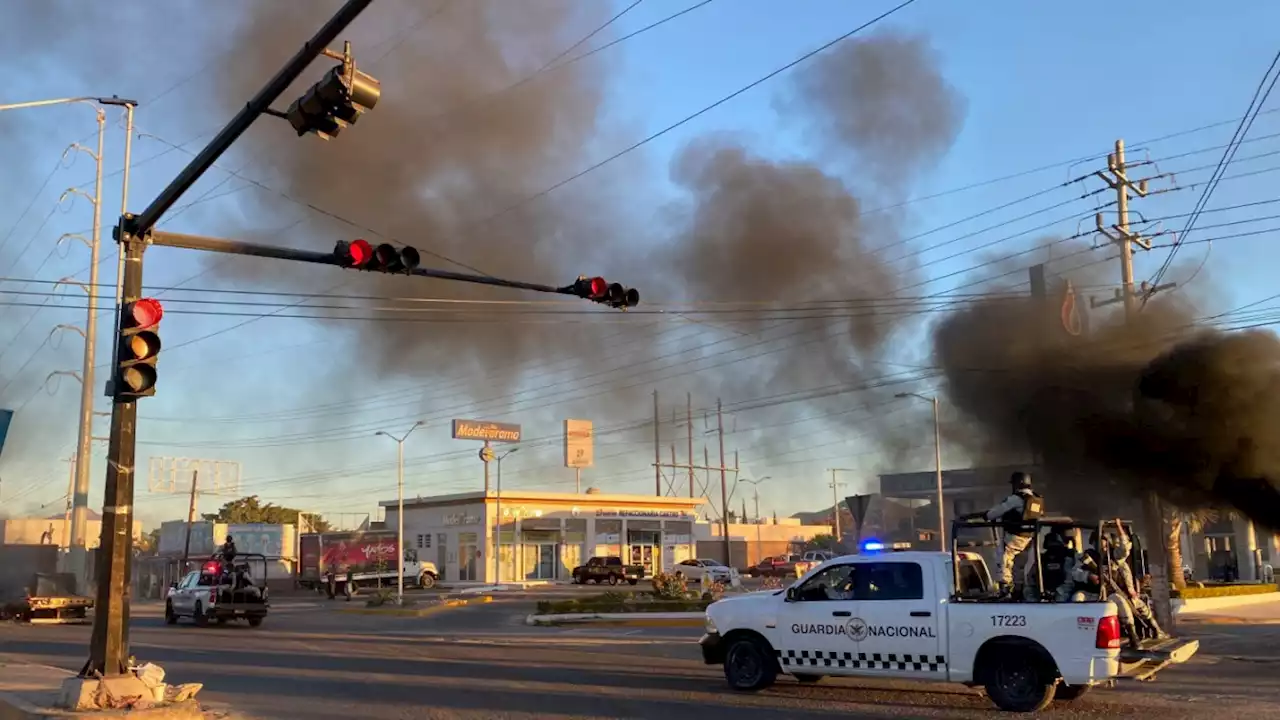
138 350
338 100
387 258
597 289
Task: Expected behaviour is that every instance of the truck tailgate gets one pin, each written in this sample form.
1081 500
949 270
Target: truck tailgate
1155 656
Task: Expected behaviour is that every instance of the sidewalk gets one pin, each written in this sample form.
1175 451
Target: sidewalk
29 692
1261 613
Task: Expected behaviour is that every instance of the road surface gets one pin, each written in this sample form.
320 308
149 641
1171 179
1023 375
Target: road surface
311 660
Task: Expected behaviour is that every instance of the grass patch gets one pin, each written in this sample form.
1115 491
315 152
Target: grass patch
619 603
1215 591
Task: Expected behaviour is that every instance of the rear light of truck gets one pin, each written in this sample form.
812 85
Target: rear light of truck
213 595
1108 637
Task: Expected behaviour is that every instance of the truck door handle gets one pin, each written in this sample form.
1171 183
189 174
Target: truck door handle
841 613
921 613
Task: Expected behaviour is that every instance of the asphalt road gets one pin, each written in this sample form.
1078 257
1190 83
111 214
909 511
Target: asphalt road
312 660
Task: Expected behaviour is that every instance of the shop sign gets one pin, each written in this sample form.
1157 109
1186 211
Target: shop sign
680 514
461 519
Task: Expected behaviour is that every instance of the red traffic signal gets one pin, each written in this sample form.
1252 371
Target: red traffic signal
354 254
597 289
138 348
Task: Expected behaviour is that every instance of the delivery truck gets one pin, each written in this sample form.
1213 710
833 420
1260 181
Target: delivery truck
369 555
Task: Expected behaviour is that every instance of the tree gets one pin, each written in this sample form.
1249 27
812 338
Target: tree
1195 522
149 544
822 541
251 510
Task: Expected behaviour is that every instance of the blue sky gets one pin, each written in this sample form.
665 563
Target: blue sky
1043 86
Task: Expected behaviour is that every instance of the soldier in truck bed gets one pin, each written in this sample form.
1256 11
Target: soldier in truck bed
1016 514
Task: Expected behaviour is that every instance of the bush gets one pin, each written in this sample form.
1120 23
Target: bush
772 583
669 587
1213 591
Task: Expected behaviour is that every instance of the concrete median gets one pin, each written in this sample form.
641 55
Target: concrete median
675 619
418 610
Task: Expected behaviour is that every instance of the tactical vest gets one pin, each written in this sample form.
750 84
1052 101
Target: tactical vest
1018 520
1055 565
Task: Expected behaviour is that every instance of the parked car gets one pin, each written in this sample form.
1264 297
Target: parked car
781 566
817 557
607 569
694 569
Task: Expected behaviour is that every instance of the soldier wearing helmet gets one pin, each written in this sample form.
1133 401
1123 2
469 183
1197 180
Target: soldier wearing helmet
1017 515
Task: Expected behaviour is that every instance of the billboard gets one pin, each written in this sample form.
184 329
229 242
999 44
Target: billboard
579 444
486 430
173 536
273 541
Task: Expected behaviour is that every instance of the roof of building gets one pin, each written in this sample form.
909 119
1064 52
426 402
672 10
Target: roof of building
541 496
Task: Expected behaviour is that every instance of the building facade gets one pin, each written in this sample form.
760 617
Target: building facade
543 535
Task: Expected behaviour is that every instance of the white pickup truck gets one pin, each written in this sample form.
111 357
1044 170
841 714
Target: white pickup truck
915 615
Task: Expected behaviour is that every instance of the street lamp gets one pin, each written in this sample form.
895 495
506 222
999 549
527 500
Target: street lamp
835 502
755 484
937 461
400 503
497 525
76 548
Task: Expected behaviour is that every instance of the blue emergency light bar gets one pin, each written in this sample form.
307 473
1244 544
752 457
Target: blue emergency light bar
875 546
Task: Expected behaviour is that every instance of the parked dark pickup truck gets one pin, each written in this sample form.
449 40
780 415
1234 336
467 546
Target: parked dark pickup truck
607 569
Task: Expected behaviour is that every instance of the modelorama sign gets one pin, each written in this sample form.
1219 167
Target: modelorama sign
485 430
857 630
603 513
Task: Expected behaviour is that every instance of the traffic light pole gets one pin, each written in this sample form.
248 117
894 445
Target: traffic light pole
109 646
237 247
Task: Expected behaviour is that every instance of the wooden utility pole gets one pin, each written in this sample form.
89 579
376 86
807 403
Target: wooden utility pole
688 418
191 517
1117 178
657 450
724 486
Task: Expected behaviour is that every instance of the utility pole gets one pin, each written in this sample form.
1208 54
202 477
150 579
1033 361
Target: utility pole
835 499
1153 516
657 450
66 516
486 450
724 486
688 417
191 517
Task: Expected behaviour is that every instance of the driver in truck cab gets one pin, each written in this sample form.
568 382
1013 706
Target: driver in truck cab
1016 514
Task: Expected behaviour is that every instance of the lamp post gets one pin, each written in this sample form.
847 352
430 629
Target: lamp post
80 493
755 492
937 462
497 524
835 501
400 504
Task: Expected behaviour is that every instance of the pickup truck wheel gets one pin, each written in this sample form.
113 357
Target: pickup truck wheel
198 616
255 620
809 679
427 581
748 665
169 617
632 581
1070 693
613 579
1018 682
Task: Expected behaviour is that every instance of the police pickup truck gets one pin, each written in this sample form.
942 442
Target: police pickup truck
926 616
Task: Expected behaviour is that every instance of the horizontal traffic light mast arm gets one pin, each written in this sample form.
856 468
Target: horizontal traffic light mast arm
274 88
237 247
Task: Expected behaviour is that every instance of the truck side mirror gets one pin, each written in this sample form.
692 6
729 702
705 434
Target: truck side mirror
791 594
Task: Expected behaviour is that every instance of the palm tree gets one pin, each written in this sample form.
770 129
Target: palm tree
1195 522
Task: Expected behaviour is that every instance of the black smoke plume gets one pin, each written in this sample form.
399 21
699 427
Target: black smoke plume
1162 403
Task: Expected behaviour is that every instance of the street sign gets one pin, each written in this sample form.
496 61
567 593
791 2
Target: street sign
486 430
486 454
579 444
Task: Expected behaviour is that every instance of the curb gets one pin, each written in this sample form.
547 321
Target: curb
621 619
1224 620
416 612
13 707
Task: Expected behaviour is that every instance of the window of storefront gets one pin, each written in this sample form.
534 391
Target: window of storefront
468 547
